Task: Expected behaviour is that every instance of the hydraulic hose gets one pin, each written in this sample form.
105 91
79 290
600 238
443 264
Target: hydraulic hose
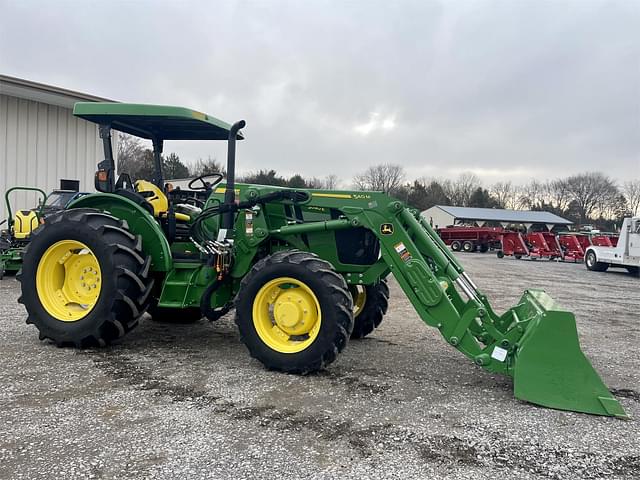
213 314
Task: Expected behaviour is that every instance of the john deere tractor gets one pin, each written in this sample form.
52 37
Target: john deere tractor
24 222
305 269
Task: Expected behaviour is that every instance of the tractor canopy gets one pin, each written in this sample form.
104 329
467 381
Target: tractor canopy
154 122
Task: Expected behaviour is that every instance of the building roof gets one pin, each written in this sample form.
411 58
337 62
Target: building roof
155 121
501 215
40 92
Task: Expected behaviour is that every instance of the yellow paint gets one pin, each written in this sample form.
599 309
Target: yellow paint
24 222
286 315
198 115
158 200
68 280
359 294
332 195
222 189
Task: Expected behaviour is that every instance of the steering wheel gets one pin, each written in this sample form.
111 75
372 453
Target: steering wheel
204 184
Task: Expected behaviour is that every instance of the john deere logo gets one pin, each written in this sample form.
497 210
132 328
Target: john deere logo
386 229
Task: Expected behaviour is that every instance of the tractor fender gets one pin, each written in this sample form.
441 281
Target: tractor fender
141 222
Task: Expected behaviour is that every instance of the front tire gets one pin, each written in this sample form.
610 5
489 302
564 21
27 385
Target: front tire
85 279
294 312
593 264
370 306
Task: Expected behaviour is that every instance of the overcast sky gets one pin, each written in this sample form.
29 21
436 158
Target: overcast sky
505 89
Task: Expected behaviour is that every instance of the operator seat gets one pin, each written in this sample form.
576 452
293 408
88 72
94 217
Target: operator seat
175 224
24 222
158 200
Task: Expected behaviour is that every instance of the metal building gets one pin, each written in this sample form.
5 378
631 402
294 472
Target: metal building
444 215
41 141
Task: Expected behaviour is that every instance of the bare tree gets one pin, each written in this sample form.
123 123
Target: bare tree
532 195
591 191
131 152
613 207
558 194
205 167
464 188
330 182
460 191
631 191
386 178
504 194
315 182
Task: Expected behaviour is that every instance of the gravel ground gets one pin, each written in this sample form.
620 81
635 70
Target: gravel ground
186 401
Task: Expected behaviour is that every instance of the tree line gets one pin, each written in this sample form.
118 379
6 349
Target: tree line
136 159
589 197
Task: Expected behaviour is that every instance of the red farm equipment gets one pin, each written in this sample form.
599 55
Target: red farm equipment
604 240
584 240
544 245
513 244
571 245
471 239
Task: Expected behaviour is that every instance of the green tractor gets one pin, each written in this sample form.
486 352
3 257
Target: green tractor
14 239
20 226
305 269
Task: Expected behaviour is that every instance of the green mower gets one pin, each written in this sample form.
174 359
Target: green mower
305 269
21 225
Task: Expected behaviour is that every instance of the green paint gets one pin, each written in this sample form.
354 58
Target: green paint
535 342
11 260
154 242
154 121
549 367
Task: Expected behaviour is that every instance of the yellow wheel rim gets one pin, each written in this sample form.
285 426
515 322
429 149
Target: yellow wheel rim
359 294
68 280
286 315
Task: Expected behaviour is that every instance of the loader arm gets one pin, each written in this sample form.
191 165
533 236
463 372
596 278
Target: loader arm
535 342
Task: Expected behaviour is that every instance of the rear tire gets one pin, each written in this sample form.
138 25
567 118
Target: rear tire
456 246
635 271
484 248
468 247
123 279
369 315
592 263
289 340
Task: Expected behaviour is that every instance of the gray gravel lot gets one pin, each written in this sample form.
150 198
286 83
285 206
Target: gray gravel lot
186 401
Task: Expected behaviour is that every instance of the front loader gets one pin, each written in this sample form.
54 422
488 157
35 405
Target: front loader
305 269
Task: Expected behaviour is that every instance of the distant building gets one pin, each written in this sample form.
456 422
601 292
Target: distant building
41 141
443 216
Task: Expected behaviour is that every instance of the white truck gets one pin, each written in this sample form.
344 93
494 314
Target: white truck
625 254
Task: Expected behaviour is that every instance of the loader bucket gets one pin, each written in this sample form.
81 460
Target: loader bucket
549 367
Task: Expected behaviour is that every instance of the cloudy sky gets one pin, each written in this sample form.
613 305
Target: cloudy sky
504 89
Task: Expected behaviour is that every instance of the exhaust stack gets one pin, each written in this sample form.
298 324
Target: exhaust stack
229 192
